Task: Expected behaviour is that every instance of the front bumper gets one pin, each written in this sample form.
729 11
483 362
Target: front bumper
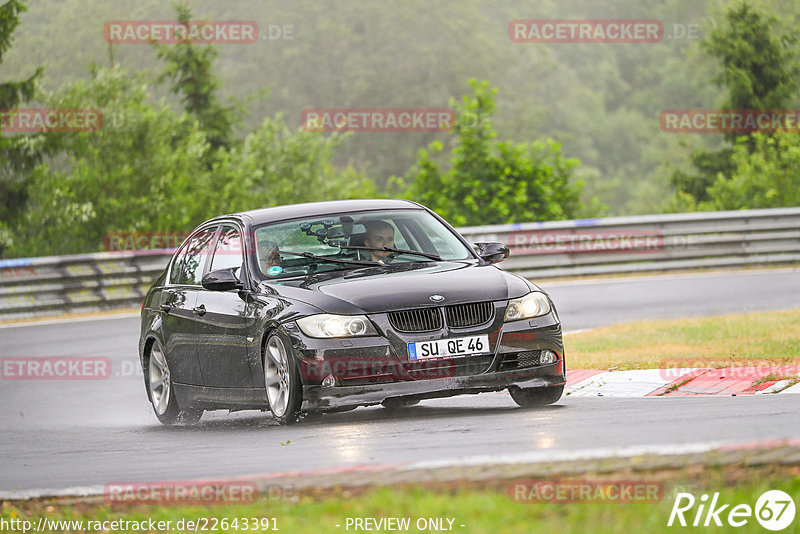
322 398
370 370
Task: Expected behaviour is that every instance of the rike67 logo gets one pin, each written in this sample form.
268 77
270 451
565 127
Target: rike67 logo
774 510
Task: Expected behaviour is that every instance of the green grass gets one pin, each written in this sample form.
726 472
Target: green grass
488 508
762 338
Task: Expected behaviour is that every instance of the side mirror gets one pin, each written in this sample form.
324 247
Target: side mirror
492 252
222 280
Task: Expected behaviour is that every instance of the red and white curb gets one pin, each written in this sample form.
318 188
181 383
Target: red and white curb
673 382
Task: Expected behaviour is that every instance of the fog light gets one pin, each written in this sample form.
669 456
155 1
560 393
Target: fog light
547 357
329 381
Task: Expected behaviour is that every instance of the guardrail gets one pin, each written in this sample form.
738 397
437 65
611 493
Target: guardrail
34 287
647 242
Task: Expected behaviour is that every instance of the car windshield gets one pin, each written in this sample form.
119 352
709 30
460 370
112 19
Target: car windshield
352 240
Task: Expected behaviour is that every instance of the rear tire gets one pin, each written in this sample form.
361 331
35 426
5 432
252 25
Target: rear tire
533 397
162 394
282 380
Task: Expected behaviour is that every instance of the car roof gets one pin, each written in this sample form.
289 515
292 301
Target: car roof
314 209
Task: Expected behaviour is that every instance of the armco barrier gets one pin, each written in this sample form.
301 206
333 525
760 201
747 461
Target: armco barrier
33 287
647 242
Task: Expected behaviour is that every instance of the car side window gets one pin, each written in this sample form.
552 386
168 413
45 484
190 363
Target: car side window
191 260
228 252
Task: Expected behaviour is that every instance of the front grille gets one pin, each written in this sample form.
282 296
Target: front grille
465 315
520 360
421 320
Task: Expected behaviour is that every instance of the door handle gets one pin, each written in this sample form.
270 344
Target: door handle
200 310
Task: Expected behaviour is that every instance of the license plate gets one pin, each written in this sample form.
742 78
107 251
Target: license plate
443 348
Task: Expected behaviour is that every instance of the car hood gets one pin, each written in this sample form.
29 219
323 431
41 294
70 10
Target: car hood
402 286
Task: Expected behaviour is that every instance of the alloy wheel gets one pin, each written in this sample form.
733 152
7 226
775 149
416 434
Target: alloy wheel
159 381
277 376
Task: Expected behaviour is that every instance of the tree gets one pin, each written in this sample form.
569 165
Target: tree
489 181
759 70
189 68
764 177
18 154
135 175
131 175
276 165
709 164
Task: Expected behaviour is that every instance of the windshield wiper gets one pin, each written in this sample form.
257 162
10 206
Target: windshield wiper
311 256
392 249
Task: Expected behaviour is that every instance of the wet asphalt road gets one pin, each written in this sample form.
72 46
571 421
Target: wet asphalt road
61 434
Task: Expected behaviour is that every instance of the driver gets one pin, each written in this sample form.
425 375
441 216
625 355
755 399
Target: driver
268 255
379 234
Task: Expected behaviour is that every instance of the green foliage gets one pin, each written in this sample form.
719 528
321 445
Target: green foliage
287 167
759 66
189 68
767 177
710 164
17 155
133 174
12 93
146 171
599 101
493 182
759 71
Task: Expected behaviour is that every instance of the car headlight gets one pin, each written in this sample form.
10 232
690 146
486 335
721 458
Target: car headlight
533 304
327 325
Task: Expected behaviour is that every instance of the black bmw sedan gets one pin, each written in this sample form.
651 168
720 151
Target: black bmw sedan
328 306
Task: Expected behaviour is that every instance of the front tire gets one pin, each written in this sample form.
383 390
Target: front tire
282 380
161 393
533 397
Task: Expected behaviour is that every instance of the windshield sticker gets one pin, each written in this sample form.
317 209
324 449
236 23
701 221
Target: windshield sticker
275 270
